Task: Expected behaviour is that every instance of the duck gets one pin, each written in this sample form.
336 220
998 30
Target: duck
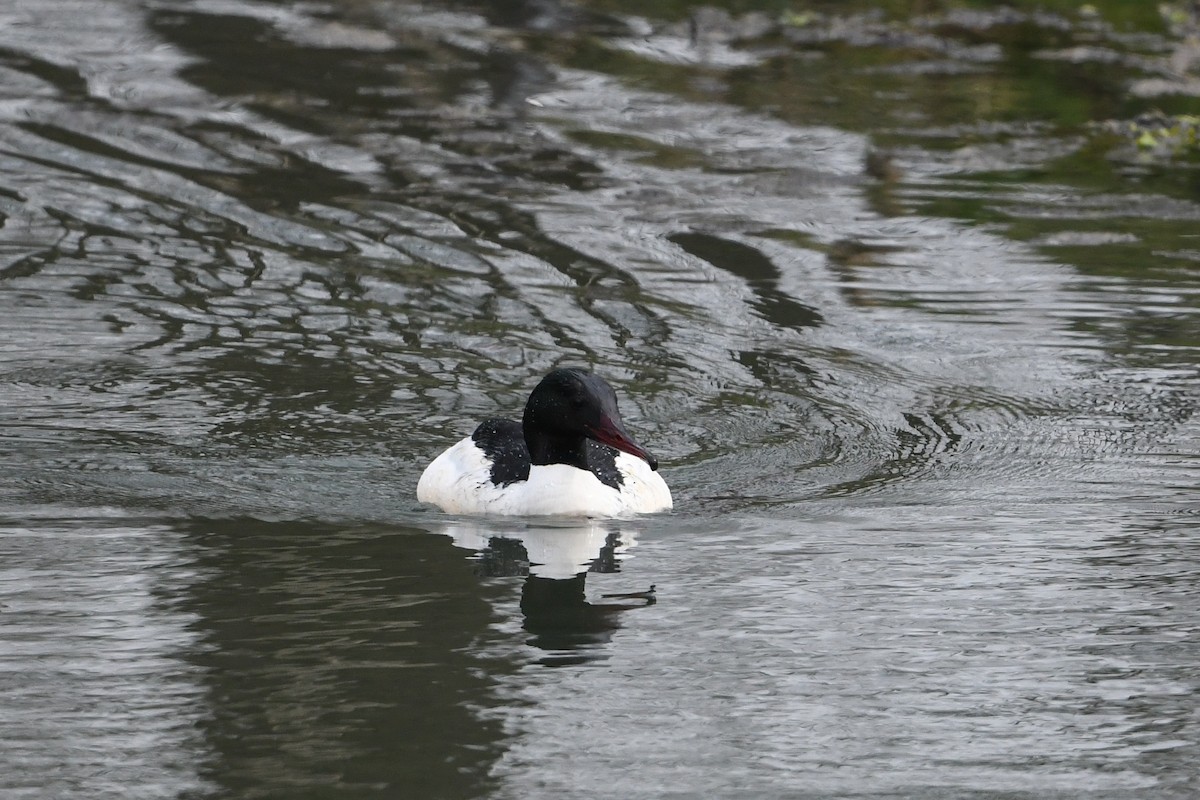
570 455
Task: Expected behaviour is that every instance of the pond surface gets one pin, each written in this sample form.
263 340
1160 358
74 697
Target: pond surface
916 347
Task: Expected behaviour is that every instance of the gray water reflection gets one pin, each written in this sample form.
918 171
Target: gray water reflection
98 697
260 261
981 658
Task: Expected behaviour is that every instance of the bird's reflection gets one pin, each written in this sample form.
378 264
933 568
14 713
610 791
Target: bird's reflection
555 560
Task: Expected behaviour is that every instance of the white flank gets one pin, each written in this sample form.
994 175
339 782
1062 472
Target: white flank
459 482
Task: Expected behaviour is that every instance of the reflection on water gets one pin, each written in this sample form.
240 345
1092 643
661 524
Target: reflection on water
922 374
991 654
324 650
553 549
556 560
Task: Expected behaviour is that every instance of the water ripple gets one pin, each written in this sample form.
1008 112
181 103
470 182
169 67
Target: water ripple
258 263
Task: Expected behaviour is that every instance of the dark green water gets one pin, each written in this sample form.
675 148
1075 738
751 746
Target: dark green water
916 346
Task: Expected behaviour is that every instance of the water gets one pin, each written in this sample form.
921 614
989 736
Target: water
930 427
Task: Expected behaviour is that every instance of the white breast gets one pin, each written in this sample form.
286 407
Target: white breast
459 482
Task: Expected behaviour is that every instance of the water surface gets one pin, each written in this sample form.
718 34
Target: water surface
917 351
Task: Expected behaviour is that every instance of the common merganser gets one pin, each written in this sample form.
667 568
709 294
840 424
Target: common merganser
570 455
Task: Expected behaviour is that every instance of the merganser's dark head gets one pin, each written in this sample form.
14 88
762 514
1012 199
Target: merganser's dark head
568 406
